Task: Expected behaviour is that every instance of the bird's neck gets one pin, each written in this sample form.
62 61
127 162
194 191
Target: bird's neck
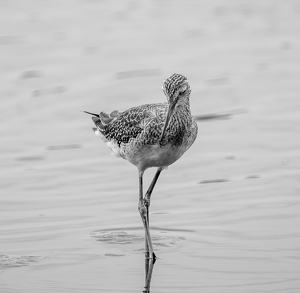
182 116
183 105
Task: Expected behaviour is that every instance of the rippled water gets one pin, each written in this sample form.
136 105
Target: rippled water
225 218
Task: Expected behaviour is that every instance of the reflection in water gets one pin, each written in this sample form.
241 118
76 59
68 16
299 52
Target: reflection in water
161 240
14 261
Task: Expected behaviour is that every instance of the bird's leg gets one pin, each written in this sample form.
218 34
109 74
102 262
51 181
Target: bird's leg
144 203
147 204
149 276
146 255
146 240
147 201
150 189
143 212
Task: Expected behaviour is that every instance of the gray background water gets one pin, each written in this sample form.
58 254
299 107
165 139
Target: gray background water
225 218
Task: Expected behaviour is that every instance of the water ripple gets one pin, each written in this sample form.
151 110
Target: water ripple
12 261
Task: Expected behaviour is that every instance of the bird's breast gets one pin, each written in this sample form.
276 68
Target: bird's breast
154 156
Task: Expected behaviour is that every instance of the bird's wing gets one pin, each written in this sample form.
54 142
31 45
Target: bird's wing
129 124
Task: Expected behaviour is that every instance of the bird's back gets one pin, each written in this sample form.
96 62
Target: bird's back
122 127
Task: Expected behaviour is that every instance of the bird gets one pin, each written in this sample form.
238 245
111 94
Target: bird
151 135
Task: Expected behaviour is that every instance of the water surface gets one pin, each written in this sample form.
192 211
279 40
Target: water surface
225 218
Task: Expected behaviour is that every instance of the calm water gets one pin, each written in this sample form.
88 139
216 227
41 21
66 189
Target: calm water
225 218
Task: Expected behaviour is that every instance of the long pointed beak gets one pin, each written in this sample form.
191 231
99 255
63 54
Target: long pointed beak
169 114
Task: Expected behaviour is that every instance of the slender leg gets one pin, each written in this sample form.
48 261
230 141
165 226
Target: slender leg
146 241
147 199
146 259
143 212
150 189
144 204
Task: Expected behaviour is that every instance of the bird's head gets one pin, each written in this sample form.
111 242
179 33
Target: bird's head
177 91
176 88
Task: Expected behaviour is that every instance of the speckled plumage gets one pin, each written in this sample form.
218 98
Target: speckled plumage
135 134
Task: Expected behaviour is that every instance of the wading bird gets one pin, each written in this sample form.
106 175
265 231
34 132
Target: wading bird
151 135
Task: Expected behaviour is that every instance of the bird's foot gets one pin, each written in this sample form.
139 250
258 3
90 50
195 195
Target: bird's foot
147 256
154 257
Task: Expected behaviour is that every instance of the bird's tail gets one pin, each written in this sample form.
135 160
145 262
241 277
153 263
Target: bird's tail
102 120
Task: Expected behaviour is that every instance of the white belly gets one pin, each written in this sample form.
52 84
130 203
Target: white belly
154 156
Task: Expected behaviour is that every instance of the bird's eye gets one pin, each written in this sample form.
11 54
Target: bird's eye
183 90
